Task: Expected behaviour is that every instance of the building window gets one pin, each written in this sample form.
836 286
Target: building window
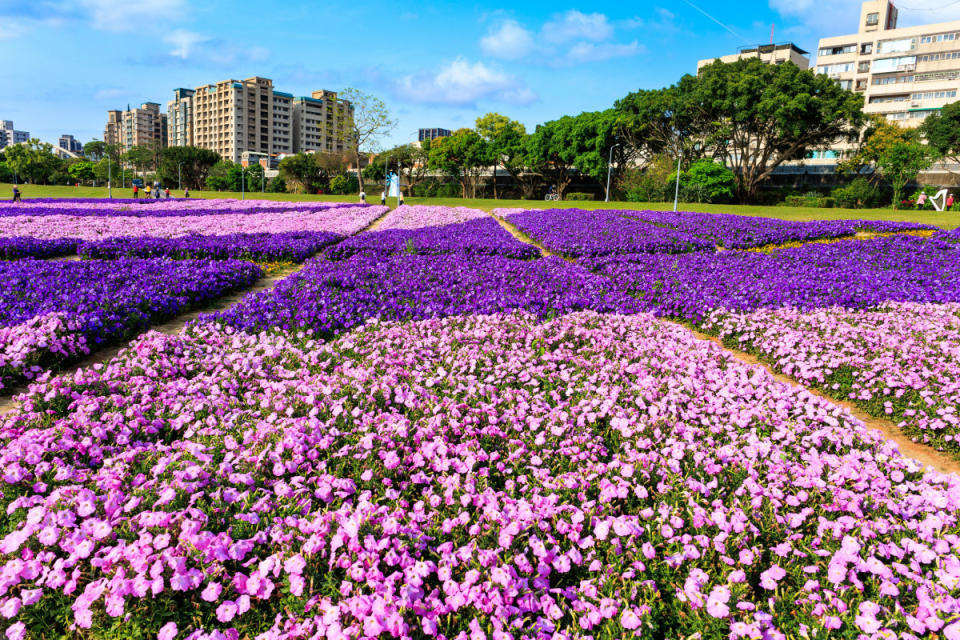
861 85
866 48
863 67
873 19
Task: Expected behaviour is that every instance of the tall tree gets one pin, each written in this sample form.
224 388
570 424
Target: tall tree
552 149
33 161
187 166
762 115
900 164
463 156
879 135
95 149
665 120
942 131
506 140
367 125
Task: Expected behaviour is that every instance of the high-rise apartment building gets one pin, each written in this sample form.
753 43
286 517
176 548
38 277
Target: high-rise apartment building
111 132
904 74
180 118
71 144
321 123
769 53
432 134
143 126
9 135
232 117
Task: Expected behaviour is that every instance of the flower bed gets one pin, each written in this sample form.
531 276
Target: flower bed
900 361
54 311
343 221
852 274
745 232
421 216
290 246
487 476
330 297
21 247
152 208
482 236
575 233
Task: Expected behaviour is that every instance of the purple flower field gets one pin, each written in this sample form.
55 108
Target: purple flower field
432 431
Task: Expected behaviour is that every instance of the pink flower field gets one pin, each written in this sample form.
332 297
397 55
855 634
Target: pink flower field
431 430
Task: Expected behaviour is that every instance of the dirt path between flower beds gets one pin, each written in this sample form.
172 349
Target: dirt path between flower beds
921 453
174 325
522 237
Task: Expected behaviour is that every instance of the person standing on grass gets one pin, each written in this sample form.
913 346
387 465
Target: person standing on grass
186 192
399 198
136 192
383 198
16 194
363 197
921 200
949 202
166 193
146 191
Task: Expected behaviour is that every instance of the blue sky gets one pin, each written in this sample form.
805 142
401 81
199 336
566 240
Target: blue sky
438 64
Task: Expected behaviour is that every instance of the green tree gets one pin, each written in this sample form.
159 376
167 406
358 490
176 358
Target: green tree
553 151
900 164
462 156
942 132
369 121
33 161
878 136
668 120
219 178
95 149
194 166
708 181
310 172
762 115
410 160
140 157
596 139
82 171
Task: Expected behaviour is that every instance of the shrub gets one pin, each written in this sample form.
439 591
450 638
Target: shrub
655 184
277 185
856 195
708 181
577 195
344 184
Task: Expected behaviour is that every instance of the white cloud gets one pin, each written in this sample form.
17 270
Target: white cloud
510 41
591 52
575 25
121 15
184 42
464 83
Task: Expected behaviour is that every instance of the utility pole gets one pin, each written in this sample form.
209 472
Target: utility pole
676 191
610 166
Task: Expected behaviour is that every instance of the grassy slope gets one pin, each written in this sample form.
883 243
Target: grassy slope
945 220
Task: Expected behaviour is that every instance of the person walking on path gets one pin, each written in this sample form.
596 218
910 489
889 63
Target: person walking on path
400 198
16 194
921 200
146 191
166 193
156 192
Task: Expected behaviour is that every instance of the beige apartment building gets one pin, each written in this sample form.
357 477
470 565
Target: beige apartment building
236 117
144 125
180 118
904 74
769 53
320 122
111 133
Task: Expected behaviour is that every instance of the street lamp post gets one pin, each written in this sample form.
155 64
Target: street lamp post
609 167
676 191
179 179
109 178
242 170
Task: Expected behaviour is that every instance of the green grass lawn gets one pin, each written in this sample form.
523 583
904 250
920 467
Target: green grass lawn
945 220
